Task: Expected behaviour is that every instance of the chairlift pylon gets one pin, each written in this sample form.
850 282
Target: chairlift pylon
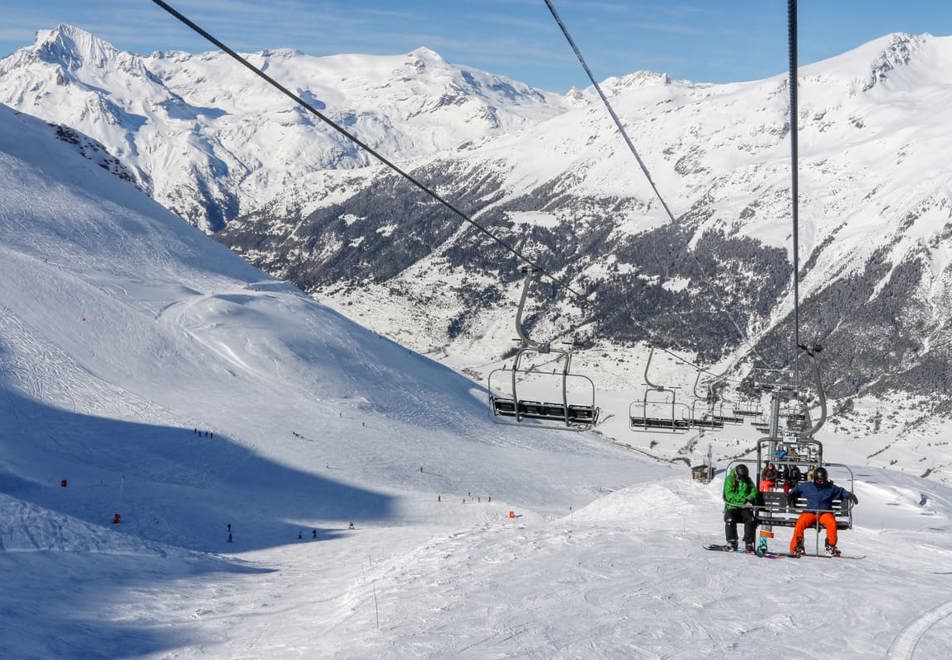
510 408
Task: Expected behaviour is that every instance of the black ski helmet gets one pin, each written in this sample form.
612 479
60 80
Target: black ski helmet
820 474
741 471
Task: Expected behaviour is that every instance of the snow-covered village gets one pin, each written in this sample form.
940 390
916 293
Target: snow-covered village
378 353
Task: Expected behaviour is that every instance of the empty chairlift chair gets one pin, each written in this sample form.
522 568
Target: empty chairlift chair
658 409
726 413
506 403
747 407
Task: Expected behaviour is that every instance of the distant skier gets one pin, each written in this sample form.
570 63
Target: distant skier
739 496
819 494
313 533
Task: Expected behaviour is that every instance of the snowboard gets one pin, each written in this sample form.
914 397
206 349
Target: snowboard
741 551
826 556
776 555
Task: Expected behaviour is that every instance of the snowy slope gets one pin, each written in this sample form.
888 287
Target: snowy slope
102 287
124 331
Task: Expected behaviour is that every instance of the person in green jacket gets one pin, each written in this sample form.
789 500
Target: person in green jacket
740 494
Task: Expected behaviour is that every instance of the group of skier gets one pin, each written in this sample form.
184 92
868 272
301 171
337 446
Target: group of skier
741 497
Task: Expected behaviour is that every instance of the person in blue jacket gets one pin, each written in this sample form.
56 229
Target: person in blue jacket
819 494
739 496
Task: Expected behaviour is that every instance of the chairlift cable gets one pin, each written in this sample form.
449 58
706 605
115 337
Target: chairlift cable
794 184
307 106
611 110
621 129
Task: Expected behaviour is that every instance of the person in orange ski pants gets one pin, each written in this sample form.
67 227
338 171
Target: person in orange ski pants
819 494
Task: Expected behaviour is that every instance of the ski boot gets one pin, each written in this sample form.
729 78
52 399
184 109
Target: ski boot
732 545
832 550
749 548
798 550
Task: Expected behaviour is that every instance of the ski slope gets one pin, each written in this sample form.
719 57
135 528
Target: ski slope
171 383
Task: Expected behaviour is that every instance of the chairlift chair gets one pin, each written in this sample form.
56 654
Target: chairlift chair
748 407
798 448
658 409
652 414
773 509
727 415
702 408
509 408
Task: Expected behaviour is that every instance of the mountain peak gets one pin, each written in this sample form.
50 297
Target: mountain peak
72 47
421 57
636 79
898 49
426 53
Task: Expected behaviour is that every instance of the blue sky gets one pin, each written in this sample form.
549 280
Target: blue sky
701 40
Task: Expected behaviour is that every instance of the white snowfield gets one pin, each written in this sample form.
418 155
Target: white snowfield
167 381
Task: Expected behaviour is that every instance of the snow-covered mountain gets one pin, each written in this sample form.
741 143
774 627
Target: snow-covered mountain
874 216
210 145
551 174
288 483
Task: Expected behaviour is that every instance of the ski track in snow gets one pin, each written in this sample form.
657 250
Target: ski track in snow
905 645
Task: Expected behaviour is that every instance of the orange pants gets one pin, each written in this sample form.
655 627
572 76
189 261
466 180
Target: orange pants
808 519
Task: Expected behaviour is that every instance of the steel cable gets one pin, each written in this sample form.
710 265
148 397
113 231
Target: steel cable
644 169
294 97
794 183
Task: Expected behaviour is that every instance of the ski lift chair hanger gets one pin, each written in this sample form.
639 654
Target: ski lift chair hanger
553 415
645 422
722 415
706 419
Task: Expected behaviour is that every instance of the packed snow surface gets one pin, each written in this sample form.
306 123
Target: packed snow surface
170 383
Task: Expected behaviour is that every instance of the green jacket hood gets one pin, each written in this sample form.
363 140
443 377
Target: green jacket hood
738 492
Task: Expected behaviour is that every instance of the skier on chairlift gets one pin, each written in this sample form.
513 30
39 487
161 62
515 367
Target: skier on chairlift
768 478
794 476
740 493
819 494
